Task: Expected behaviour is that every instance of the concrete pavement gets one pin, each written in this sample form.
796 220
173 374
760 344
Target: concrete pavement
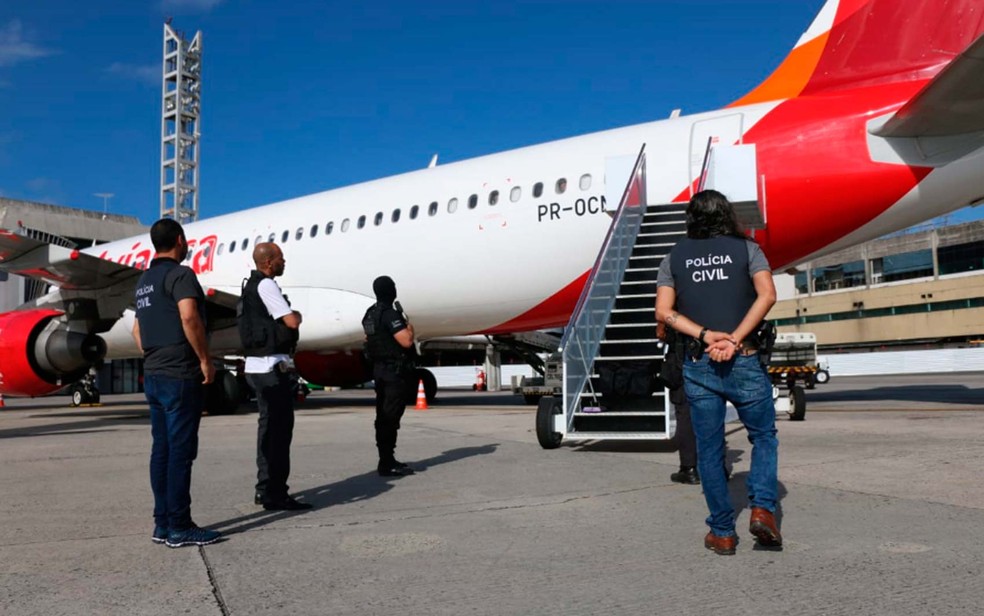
882 510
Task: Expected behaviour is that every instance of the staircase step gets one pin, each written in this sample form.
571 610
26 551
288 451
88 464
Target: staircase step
617 436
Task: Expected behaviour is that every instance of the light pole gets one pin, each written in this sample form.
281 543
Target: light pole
105 197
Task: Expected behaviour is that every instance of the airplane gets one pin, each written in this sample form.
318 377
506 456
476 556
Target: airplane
872 123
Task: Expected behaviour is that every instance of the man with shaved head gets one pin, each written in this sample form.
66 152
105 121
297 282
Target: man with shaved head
268 329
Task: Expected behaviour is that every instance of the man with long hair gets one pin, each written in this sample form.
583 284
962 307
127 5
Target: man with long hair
715 289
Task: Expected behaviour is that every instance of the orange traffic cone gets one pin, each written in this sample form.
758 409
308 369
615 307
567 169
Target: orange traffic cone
421 397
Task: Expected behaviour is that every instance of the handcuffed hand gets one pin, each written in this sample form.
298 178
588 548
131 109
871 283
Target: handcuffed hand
720 346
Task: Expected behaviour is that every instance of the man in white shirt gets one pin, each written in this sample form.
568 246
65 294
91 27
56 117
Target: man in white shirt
268 327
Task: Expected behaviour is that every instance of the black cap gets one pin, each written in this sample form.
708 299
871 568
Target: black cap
384 288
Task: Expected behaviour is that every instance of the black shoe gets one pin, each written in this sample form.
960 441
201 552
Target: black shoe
393 469
687 475
257 499
286 503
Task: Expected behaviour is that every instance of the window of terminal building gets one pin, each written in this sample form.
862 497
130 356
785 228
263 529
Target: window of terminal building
801 283
378 219
396 215
515 193
561 186
493 197
968 257
538 189
362 221
903 266
432 208
414 211
452 205
842 276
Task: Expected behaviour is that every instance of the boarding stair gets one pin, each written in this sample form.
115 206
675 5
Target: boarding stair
611 357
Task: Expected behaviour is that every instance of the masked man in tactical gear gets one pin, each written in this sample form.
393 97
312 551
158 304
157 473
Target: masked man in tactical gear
389 345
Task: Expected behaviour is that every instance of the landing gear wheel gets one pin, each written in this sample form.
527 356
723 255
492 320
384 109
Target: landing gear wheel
822 376
222 395
78 397
430 384
546 410
797 404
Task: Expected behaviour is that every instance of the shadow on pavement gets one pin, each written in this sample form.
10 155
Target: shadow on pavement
943 393
354 489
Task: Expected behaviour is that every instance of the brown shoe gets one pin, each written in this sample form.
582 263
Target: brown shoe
763 526
724 546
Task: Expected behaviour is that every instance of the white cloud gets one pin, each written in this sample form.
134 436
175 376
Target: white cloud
144 73
192 5
15 47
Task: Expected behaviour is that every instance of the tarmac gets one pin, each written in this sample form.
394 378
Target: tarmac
882 511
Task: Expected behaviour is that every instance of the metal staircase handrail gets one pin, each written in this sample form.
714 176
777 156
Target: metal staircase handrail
586 327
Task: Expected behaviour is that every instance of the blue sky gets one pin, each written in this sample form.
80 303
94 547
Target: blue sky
301 96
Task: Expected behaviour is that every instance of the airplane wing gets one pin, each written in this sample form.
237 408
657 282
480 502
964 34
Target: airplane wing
951 104
72 270
67 268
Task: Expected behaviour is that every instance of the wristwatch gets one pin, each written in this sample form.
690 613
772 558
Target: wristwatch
701 335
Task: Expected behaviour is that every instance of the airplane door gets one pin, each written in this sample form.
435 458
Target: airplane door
726 129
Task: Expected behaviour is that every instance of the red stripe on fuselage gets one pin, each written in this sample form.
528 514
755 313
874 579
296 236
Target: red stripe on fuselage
551 312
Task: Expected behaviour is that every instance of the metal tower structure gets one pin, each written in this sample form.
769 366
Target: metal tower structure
180 125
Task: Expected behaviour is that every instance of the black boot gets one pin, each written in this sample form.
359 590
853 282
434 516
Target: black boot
687 475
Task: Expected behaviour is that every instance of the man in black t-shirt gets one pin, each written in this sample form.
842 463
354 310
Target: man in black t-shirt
389 345
170 331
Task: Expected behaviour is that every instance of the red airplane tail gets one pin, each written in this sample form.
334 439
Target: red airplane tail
870 42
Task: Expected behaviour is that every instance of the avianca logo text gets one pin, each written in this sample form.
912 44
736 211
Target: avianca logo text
201 253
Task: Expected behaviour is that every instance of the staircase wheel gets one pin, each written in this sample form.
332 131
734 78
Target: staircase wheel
546 410
797 404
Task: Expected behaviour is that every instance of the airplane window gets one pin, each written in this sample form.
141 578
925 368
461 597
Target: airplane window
257 240
538 189
472 202
284 237
432 208
378 220
299 234
221 249
232 247
585 181
515 194
561 186
245 243
413 211
272 237
362 221
329 227
314 230
396 215
207 251
452 205
493 197
345 225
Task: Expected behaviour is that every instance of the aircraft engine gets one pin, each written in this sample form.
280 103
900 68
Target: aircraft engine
39 355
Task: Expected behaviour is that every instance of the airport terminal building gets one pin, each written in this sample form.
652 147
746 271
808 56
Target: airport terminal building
919 289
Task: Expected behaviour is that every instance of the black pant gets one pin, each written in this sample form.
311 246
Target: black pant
392 391
275 398
685 440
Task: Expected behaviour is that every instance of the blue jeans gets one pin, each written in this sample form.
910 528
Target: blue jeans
175 413
744 382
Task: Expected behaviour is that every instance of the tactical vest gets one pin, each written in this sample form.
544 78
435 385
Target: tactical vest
710 276
259 332
380 344
156 310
